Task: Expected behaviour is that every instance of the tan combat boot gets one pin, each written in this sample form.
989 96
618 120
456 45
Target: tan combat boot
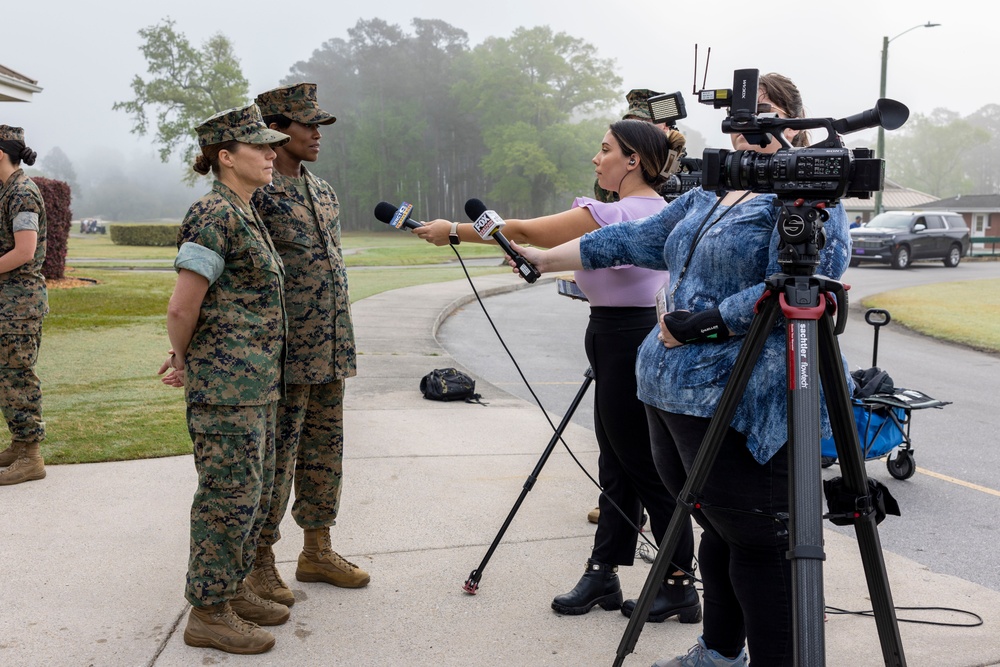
251 607
10 454
28 466
266 581
318 562
218 626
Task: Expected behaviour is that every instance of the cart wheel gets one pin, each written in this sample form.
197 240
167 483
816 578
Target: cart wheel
902 466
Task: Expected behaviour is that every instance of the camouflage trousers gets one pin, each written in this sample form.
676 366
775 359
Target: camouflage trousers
20 388
309 452
234 457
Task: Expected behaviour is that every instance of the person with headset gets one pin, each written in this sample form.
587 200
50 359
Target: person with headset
630 162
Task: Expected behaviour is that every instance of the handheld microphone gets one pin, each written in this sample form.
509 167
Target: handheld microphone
488 224
397 217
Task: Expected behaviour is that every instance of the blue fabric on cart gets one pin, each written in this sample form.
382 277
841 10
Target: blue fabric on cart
877 431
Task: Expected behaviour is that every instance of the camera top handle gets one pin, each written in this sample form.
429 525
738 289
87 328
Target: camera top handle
744 115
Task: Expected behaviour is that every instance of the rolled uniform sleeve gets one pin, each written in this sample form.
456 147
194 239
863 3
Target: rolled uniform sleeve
201 260
26 221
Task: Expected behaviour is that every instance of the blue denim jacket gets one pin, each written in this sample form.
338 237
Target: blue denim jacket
727 271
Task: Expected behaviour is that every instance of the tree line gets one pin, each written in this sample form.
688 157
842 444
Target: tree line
421 115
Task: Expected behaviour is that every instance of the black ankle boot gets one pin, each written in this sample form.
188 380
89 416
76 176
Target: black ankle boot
676 597
598 586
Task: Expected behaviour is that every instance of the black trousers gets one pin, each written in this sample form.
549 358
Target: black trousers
746 576
626 470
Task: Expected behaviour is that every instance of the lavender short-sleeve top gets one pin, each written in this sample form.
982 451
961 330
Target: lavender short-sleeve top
622 285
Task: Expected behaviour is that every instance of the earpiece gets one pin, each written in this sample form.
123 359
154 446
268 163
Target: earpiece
632 161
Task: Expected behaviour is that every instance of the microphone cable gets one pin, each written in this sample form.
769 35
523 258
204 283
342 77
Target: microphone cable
649 543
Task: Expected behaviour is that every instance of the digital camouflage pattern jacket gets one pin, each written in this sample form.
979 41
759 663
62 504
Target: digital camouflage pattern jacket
320 345
23 297
235 355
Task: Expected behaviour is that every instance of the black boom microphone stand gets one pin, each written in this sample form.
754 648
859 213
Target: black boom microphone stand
807 301
472 583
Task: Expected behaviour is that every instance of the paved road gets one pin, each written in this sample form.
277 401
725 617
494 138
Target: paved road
949 507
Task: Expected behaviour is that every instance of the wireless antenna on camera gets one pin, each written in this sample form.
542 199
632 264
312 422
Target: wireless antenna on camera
719 98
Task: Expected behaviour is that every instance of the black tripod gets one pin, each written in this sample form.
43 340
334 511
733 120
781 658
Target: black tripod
472 583
807 302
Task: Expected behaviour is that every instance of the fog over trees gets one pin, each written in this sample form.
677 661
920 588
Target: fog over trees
425 117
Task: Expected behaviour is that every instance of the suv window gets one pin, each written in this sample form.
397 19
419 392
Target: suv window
955 222
891 221
934 222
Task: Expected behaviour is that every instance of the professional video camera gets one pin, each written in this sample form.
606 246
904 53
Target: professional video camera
687 178
824 171
807 181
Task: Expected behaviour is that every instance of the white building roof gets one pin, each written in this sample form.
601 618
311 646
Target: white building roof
15 87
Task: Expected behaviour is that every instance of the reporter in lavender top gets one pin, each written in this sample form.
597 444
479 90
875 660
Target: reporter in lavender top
622 311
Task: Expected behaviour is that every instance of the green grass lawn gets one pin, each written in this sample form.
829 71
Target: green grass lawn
102 344
390 248
966 312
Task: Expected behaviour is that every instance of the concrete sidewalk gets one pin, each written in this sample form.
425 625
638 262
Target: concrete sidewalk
95 554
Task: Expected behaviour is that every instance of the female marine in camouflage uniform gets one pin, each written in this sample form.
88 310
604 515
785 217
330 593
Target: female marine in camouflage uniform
23 304
301 212
227 330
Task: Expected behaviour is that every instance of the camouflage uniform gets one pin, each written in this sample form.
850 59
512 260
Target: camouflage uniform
23 304
232 372
301 215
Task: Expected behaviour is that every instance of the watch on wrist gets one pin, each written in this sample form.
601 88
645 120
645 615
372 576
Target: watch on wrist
453 238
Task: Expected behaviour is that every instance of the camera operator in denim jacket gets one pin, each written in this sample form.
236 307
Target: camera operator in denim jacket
719 252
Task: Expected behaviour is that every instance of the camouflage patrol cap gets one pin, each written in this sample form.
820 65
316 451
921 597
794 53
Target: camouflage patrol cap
638 103
242 124
297 102
8 133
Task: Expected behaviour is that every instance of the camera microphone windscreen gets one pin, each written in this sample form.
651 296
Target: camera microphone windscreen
396 217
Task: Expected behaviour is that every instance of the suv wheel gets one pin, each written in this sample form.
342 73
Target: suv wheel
855 262
953 257
901 257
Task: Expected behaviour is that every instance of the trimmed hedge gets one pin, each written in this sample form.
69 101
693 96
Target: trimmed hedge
56 195
145 234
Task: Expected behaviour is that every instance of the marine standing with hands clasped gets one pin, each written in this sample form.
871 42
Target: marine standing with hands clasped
301 213
226 325
23 305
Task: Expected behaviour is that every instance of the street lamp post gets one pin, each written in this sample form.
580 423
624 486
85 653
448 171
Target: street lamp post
880 148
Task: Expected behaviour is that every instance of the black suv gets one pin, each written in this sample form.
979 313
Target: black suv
900 237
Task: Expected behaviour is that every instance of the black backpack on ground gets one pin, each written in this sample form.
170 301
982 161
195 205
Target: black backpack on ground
449 384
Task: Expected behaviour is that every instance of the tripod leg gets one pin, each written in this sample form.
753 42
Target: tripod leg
852 468
471 585
805 528
762 324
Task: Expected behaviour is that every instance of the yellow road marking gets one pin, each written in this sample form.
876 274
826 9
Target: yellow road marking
953 480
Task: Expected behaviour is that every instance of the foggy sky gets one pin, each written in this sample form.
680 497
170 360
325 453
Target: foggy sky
84 55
